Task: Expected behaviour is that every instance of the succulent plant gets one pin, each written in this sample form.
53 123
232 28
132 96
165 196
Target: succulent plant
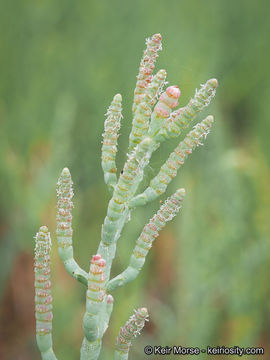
154 121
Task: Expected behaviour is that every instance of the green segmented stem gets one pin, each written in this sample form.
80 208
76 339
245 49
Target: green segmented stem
133 169
144 243
153 122
155 87
96 310
43 297
144 109
146 69
64 227
123 192
181 118
140 124
168 171
109 145
128 332
167 101
108 311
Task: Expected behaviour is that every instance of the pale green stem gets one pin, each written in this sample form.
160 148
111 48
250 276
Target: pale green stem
43 297
128 332
144 109
109 145
96 308
144 243
181 118
124 190
147 66
169 169
64 227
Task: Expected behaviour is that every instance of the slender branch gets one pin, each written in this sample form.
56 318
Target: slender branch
108 312
43 297
167 101
144 243
146 69
109 146
96 305
155 88
64 227
169 169
144 109
124 190
128 332
181 118
140 124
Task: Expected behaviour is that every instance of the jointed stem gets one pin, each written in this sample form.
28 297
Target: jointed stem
154 121
43 297
64 227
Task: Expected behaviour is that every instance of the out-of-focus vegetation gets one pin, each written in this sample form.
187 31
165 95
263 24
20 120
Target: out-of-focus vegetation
206 281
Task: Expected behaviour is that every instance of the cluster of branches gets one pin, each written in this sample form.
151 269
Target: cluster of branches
154 121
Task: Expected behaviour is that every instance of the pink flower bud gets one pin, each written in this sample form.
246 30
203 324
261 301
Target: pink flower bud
96 257
173 91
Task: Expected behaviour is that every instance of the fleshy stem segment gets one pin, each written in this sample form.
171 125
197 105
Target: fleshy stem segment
181 118
128 332
154 121
43 297
145 91
124 190
64 227
140 124
167 101
146 69
144 243
95 315
109 145
169 169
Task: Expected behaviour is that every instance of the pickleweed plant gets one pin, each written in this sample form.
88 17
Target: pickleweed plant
154 121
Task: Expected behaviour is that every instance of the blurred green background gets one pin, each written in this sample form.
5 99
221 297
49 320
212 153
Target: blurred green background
206 281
